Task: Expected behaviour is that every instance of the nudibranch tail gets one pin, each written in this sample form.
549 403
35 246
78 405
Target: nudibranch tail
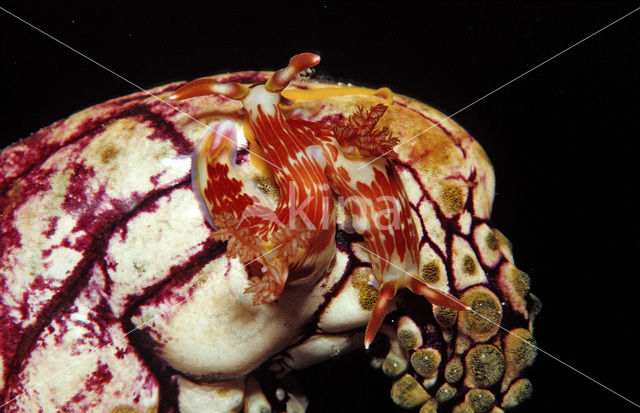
437 297
378 314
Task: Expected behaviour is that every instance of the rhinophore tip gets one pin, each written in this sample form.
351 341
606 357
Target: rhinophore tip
280 79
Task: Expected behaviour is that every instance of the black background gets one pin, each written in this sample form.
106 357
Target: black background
563 138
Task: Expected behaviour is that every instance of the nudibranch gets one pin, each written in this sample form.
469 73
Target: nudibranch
291 237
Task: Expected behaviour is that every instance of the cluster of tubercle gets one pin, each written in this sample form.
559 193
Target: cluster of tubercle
293 240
